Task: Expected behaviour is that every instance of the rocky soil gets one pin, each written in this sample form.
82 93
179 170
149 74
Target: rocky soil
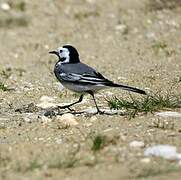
134 42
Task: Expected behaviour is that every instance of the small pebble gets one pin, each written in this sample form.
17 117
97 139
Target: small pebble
88 124
169 114
67 119
59 141
5 6
164 151
47 99
179 163
136 144
91 1
46 46
46 102
151 35
145 160
45 105
121 27
107 130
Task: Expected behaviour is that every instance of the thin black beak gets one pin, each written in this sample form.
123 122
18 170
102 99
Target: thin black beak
54 52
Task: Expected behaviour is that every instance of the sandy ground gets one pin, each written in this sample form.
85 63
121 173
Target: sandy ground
136 42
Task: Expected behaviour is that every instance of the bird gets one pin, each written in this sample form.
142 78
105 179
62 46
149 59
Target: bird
81 78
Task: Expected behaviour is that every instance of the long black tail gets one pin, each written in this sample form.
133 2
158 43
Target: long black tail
128 88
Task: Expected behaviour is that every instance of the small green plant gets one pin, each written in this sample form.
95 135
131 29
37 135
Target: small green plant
20 71
3 87
16 21
4 160
34 164
146 104
63 163
6 73
68 160
161 46
19 6
98 142
31 166
85 15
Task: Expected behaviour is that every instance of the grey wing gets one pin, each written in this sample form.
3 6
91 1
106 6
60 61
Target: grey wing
93 78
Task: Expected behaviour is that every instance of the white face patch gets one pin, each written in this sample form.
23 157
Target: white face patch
64 53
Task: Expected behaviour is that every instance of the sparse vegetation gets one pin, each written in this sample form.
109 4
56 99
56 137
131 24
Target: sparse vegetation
85 15
18 6
6 73
162 124
161 46
33 165
63 162
13 21
15 16
151 171
146 104
3 87
125 41
98 142
163 4
55 162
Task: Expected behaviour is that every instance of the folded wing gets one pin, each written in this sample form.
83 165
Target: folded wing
94 78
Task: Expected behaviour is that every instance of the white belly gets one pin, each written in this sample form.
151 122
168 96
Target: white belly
83 88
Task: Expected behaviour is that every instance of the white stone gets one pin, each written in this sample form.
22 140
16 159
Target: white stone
179 163
46 46
46 105
88 124
169 114
164 151
145 160
91 1
151 35
108 130
46 102
136 144
5 6
47 99
67 119
59 141
121 27
29 117
109 93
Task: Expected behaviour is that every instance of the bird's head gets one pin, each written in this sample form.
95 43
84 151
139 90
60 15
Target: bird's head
67 54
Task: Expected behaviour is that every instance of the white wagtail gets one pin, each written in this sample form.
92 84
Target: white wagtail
80 77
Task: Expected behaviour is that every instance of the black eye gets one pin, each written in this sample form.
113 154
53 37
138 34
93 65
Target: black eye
61 51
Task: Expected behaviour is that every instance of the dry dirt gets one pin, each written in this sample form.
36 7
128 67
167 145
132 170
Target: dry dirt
135 42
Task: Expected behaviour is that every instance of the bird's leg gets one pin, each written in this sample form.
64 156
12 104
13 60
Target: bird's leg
69 105
98 110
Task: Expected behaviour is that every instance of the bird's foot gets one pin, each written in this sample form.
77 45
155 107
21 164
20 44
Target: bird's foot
66 107
100 112
70 109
